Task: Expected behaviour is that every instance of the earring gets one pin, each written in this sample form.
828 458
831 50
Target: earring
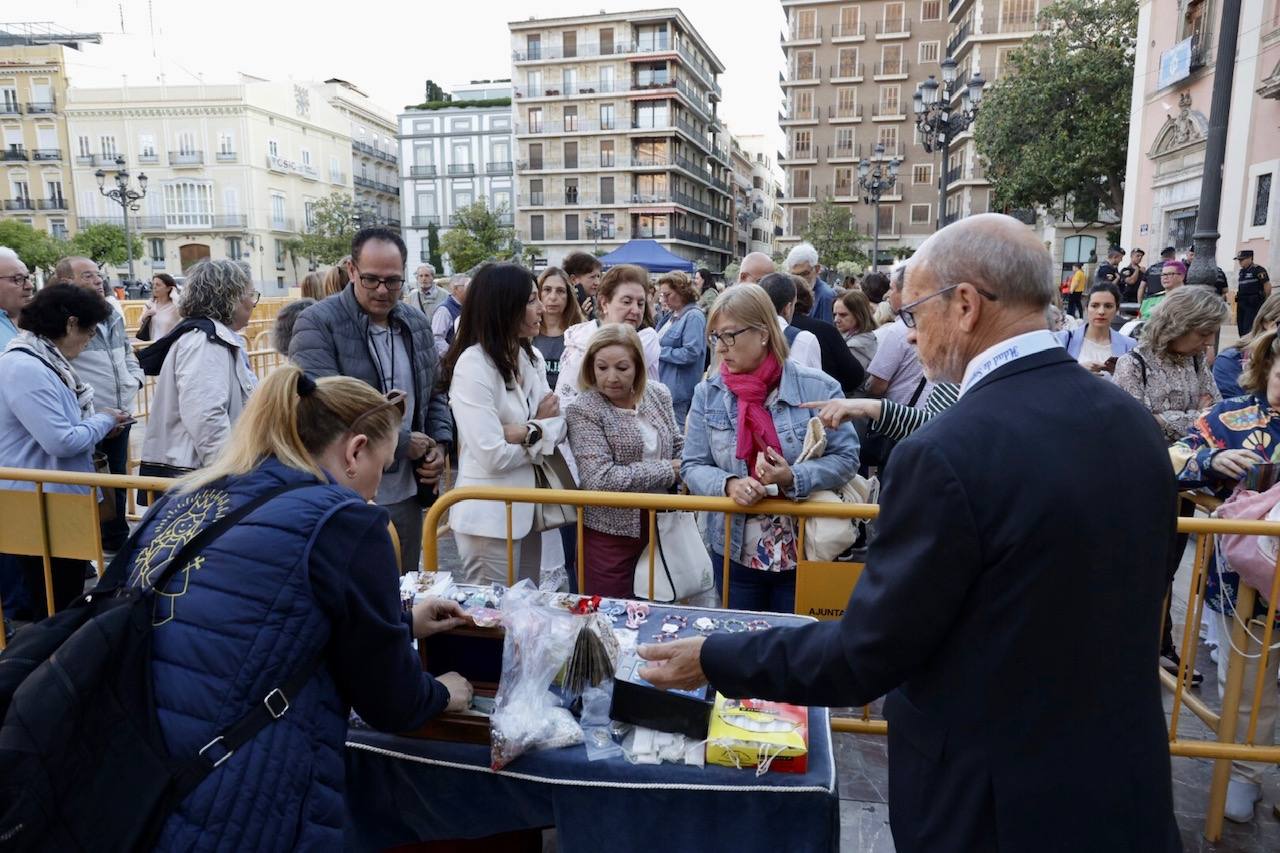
351 473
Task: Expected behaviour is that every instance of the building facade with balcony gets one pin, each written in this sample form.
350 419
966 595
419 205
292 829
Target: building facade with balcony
618 138
1173 83
851 71
35 163
768 216
233 170
375 158
453 157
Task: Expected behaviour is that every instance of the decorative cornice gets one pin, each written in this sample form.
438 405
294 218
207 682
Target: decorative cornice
74 111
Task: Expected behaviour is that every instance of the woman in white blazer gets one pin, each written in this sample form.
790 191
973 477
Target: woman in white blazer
507 418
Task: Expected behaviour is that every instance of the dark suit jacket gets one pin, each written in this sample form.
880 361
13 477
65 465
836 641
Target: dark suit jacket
837 361
1019 652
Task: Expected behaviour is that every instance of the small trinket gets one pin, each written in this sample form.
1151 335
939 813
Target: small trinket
705 625
758 625
735 626
637 614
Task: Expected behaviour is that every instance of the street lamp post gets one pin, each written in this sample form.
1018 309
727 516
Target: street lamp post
874 181
126 197
938 126
593 231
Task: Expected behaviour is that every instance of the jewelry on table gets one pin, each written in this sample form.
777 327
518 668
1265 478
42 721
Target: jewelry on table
637 614
705 625
758 625
735 626
664 637
673 623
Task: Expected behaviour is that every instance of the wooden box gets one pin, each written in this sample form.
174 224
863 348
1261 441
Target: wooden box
476 655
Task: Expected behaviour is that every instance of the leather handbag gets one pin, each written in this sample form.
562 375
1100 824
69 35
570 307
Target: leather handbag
681 566
827 538
553 473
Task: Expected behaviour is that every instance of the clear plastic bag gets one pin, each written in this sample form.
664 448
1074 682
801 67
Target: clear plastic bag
527 714
597 728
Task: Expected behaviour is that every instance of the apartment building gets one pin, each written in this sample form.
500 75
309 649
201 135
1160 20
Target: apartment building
743 215
768 215
456 155
35 162
375 162
234 170
617 136
851 71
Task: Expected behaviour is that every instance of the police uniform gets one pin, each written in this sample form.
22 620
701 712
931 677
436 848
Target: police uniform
1250 292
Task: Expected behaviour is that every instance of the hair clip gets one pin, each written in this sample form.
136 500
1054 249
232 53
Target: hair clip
306 386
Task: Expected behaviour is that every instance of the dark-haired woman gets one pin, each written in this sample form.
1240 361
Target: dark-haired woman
704 282
307 580
508 419
47 418
162 309
560 310
1096 343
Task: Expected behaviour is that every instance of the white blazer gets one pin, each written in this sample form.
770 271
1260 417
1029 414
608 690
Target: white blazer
482 404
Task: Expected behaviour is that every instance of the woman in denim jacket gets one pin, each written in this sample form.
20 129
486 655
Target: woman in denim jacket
746 428
683 335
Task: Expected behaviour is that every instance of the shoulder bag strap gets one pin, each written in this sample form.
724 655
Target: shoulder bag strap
919 390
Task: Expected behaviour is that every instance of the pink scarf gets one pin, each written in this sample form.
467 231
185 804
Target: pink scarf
755 425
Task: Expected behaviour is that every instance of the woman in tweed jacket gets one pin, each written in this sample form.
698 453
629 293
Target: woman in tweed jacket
623 433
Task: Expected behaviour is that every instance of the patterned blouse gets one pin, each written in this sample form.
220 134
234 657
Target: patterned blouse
1241 423
1174 388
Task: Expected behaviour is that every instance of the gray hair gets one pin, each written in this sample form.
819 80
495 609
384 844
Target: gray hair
803 253
1186 309
982 251
428 267
282 334
460 279
213 288
7 254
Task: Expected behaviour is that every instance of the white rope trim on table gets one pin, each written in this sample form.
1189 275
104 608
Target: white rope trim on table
458 765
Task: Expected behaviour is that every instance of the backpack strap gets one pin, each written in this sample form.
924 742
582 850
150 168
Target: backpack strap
1142 365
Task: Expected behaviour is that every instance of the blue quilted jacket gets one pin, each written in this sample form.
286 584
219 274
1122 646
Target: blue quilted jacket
311 569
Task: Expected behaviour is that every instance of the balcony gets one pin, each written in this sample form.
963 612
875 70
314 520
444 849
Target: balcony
499 167
226 156
15 153
535 199
284 225
337 177
698 137
47 154
847 152
848 72
1014 22
461 169
19 204
888 112
52 204
38 107
424 222
556 128
580 87
893 29
231 221
808 154
962 32
422 171
370 151
896 70
186 158
854 32
148 158
803 75
376 186
844 113
701 239
10 108
799 35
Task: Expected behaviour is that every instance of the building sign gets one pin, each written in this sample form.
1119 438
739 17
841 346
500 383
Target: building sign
1175 64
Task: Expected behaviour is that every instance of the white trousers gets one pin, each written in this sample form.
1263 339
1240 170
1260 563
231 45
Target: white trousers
484 558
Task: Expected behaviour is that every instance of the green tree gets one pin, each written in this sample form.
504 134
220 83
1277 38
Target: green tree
433 248
1055 127
104 245
834 234
329 237
434 92
478 235
38 250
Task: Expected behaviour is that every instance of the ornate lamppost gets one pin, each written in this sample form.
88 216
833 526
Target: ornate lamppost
874 182
126 197
938 125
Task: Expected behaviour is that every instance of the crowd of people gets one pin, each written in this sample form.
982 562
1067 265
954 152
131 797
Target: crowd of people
637 383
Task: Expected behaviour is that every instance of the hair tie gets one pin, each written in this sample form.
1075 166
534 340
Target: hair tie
306 386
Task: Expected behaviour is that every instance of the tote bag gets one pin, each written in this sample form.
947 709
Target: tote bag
553 473
1252 557
681 565
827 538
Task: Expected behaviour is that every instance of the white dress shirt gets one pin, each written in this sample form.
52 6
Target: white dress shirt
804 350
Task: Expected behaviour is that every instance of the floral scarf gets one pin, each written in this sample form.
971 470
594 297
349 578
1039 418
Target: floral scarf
43 349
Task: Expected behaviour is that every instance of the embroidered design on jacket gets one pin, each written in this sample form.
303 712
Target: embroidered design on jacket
181 523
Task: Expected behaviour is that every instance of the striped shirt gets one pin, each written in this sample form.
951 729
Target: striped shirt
898 421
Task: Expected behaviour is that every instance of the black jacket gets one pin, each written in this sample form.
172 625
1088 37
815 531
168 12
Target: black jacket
1019 654
837 361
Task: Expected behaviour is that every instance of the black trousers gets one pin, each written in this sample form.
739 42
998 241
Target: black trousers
68 582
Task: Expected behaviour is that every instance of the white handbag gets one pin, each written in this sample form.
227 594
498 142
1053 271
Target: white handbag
553 473
827 538
681 566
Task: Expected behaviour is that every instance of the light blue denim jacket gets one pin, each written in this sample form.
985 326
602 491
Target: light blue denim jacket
684 353
711 443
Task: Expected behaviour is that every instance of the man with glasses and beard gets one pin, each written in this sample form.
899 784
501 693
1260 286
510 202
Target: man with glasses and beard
366 332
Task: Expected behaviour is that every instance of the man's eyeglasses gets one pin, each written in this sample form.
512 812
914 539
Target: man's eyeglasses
18 279
727 338
371 282
395 399
907 312
90 275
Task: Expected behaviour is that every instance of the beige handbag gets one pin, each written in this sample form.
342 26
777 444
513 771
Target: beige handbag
827 538
553 473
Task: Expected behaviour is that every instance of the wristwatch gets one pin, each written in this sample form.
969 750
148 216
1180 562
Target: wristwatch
534 435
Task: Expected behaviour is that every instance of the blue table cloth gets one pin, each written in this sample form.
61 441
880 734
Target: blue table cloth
401 790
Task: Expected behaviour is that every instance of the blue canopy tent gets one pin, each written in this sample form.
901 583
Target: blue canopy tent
647 254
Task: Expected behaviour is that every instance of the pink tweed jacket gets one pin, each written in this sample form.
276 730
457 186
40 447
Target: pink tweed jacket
608 448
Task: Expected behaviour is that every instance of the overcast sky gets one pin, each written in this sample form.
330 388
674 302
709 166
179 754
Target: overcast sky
387 47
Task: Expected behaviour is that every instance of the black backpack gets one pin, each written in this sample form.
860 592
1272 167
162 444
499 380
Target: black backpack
83 762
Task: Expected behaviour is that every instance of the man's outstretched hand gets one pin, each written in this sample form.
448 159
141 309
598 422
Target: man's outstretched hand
676 665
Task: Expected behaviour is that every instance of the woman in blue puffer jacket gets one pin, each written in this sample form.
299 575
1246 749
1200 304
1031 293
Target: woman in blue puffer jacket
310 572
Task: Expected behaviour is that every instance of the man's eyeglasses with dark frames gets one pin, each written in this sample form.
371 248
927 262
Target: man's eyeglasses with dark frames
20 280
907 312
372 282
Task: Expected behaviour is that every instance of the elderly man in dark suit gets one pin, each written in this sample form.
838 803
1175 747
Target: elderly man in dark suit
1019 657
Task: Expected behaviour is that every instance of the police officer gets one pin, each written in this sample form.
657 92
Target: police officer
1109 271
1132 276
1252 286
